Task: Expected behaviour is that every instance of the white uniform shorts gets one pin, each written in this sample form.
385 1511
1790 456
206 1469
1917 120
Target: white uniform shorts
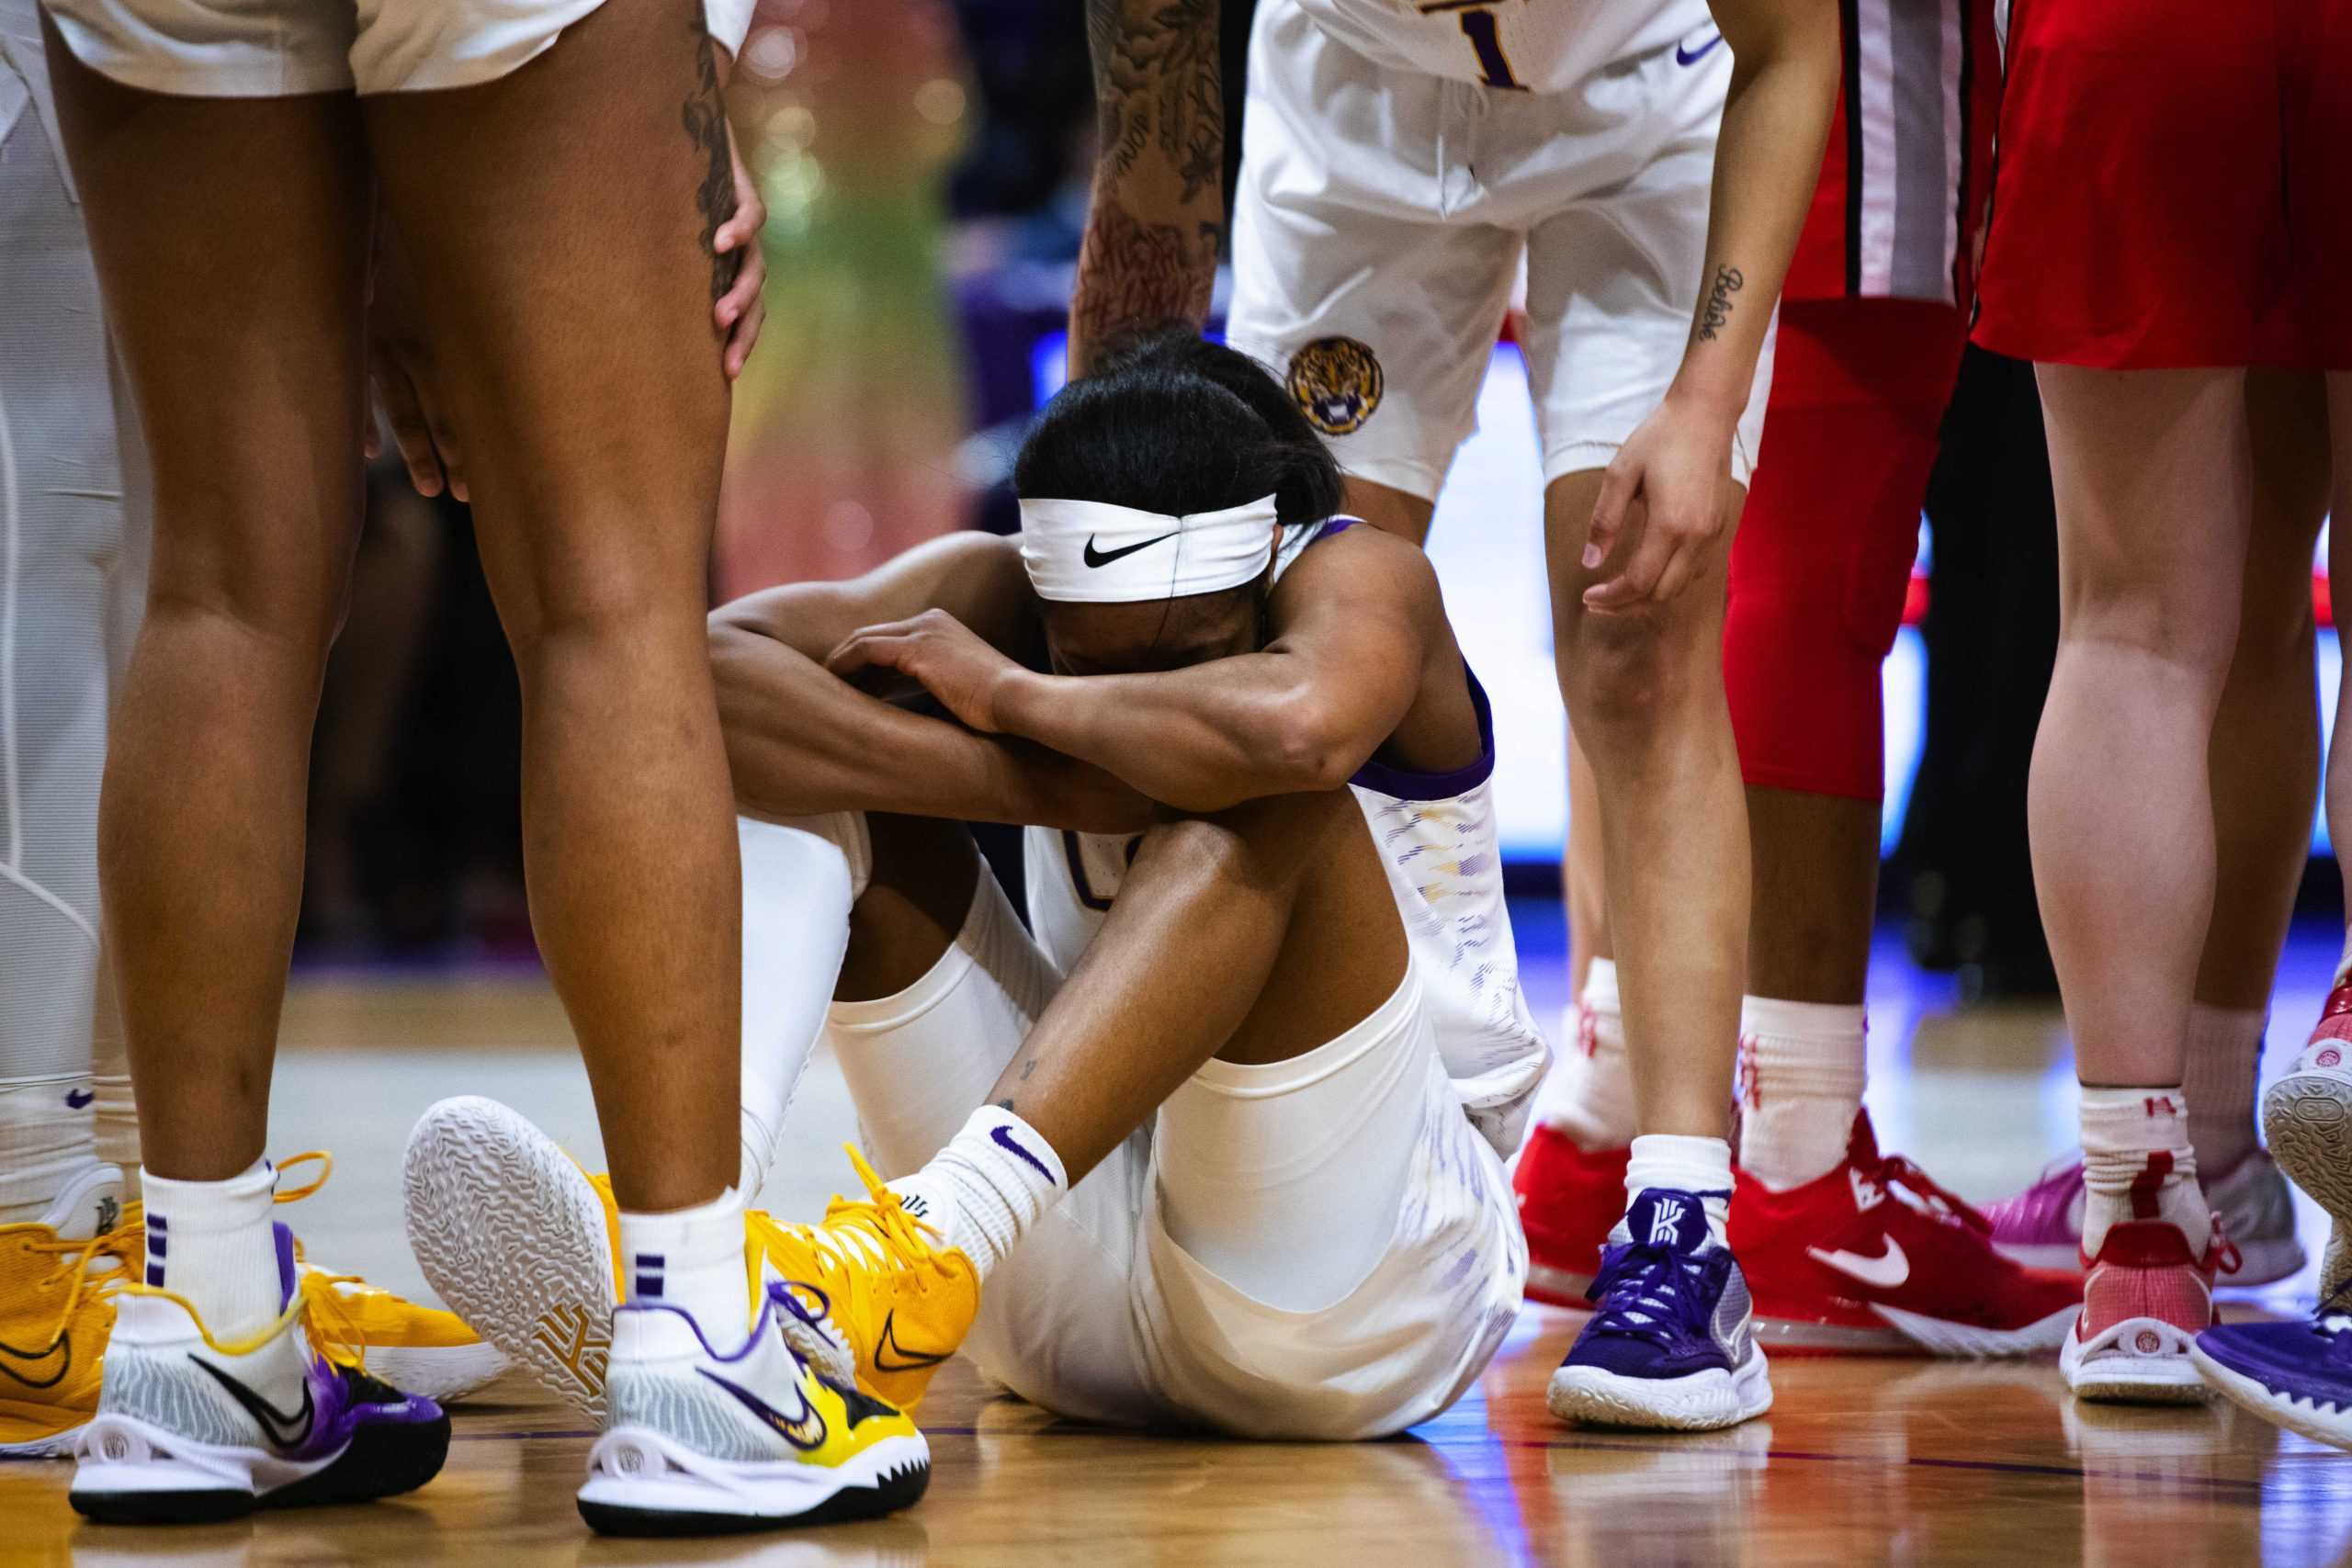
1100 1315
276 49
1383 216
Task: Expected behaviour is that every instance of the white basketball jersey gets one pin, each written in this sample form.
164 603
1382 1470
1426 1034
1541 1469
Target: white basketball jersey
1543 46
1436 835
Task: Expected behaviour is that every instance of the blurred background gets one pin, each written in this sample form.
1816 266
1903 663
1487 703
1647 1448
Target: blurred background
925 166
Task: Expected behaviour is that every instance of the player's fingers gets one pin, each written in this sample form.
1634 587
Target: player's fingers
746 338
410 433
1634 584
1681 565
1618 483
444 443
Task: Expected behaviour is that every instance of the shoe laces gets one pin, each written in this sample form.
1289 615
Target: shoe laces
1644 1290
1923 1193
860 1233
77 1261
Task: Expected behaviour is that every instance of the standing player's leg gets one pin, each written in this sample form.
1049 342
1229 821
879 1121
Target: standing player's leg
238 318
2263 763
2154 481
1571 1174
560 222
1818 578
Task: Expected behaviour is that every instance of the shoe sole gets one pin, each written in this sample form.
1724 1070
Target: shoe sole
1700 1402
513 1236
2111 1377
1963 1341
732 1499
2303 1417
439 1372
2307 1119
132 1472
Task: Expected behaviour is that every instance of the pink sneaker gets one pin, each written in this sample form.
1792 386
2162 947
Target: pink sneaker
2043 1226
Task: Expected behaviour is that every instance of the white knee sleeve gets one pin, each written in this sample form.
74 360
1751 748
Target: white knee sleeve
801 878
919 1061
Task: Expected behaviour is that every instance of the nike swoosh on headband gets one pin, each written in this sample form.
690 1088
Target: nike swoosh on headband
1095 558
1692 56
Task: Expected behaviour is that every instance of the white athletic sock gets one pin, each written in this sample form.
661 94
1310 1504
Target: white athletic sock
2223 1061
1700 1165
46 1138
213 1242
1589 1096
2138 1138
1801 1067
691 1259
798 887
984 1190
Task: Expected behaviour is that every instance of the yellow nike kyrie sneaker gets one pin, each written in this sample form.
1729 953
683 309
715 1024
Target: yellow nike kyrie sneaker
522 1242
421 1350
878 1283
55 1315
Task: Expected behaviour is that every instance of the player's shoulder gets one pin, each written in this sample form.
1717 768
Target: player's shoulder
1361 562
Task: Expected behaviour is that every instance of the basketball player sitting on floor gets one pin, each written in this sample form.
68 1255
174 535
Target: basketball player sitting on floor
1282 1223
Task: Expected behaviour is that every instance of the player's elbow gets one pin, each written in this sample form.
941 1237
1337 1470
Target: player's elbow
1303 744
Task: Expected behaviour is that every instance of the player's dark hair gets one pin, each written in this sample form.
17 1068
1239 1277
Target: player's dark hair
1172 422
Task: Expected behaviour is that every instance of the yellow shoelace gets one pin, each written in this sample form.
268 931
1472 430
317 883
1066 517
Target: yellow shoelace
335 1330
117 1246
874 1229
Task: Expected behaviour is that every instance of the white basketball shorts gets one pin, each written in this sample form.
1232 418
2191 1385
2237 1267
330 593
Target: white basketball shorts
1383 215
276 49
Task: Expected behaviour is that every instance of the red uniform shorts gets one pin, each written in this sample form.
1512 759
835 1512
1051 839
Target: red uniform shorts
1822 560
2173 186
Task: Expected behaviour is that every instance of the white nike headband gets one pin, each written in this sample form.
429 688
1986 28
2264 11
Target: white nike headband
1090 552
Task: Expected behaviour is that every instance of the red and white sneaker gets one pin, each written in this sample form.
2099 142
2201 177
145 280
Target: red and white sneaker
1569 1199
2147 1298
1875 1257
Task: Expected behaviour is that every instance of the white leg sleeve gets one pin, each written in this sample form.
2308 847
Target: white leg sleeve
60 530
800 879
918 1063
1057 1323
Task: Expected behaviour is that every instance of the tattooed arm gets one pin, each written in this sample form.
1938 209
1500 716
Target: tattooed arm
1768 159
1152 241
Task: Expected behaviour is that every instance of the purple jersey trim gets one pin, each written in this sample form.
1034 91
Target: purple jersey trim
1402 784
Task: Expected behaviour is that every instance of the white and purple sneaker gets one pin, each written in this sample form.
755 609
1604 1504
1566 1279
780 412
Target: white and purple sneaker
2041 1227
2296 1375
1671 1344
189 1430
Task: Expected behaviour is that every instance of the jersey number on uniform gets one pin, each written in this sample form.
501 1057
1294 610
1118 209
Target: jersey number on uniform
1494 65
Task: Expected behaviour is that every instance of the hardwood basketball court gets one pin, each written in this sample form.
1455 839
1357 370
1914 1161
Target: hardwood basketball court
1861 1461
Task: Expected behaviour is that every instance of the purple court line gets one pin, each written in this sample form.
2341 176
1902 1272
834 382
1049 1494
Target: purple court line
1998 1467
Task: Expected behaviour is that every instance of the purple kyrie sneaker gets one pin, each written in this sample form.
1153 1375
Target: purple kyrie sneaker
189 1429
2296 1375
2043 1226
1670 1344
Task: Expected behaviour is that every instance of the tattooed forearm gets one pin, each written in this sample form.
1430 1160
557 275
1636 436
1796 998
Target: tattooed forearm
1156 86
1134 275
1727 283
705 120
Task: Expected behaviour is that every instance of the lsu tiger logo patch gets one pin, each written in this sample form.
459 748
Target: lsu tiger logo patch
1337 383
